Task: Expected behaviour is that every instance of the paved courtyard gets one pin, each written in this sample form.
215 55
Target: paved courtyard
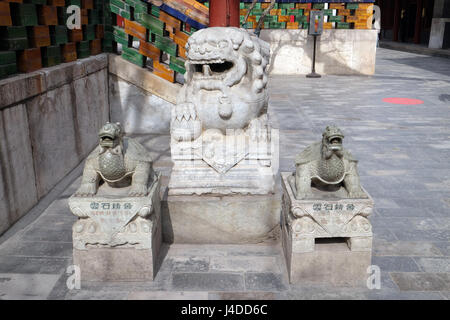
404 153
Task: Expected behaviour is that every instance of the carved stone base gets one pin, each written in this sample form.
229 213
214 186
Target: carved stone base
117 237
225 220
117 264
326 240
198 177
330 263
225 164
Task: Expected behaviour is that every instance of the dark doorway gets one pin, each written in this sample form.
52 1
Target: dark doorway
402 20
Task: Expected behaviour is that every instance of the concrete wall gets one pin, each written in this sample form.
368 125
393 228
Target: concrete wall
141 101
339 51
49 121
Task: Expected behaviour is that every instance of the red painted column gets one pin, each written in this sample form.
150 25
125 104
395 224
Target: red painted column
224 13
234 13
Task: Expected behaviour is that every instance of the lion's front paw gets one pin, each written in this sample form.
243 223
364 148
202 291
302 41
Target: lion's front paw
138 191
86 190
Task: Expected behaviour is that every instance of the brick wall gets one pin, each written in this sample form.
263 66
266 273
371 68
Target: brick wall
33 33
295 14
155 37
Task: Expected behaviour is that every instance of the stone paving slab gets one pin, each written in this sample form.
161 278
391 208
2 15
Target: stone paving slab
403 152
20 286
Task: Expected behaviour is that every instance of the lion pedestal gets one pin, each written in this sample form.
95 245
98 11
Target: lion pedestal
221 144
326 234
118 234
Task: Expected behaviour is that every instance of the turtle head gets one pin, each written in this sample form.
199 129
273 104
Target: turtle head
110 135
332 139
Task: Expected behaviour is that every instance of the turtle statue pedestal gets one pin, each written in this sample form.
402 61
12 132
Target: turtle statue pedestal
326 240
326 233
117 237
118 234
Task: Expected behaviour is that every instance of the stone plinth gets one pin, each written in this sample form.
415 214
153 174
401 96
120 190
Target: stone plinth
326 239
233 219
117 236
437 33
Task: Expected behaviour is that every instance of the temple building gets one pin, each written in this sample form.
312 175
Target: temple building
416 21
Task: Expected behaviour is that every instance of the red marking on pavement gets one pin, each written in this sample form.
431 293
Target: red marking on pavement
402 101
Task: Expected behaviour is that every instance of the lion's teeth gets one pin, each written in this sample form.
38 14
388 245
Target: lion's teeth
206 70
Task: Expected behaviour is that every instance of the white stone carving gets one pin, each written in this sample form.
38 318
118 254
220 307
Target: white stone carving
221 141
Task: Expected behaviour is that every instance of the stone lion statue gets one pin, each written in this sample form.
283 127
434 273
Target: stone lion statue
225 84
327 163
118 161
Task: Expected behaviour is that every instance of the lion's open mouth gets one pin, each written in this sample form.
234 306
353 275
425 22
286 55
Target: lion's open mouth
211 69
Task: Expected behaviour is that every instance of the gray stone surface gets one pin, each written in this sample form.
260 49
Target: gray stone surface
53 136
389 264
47 120
208 281
24 86
17 286
115 264
245 264
339 51
19 185
415 281
4 205
167 295
264 281
441 265
331 263
226 219
139 111
91 107
402 151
